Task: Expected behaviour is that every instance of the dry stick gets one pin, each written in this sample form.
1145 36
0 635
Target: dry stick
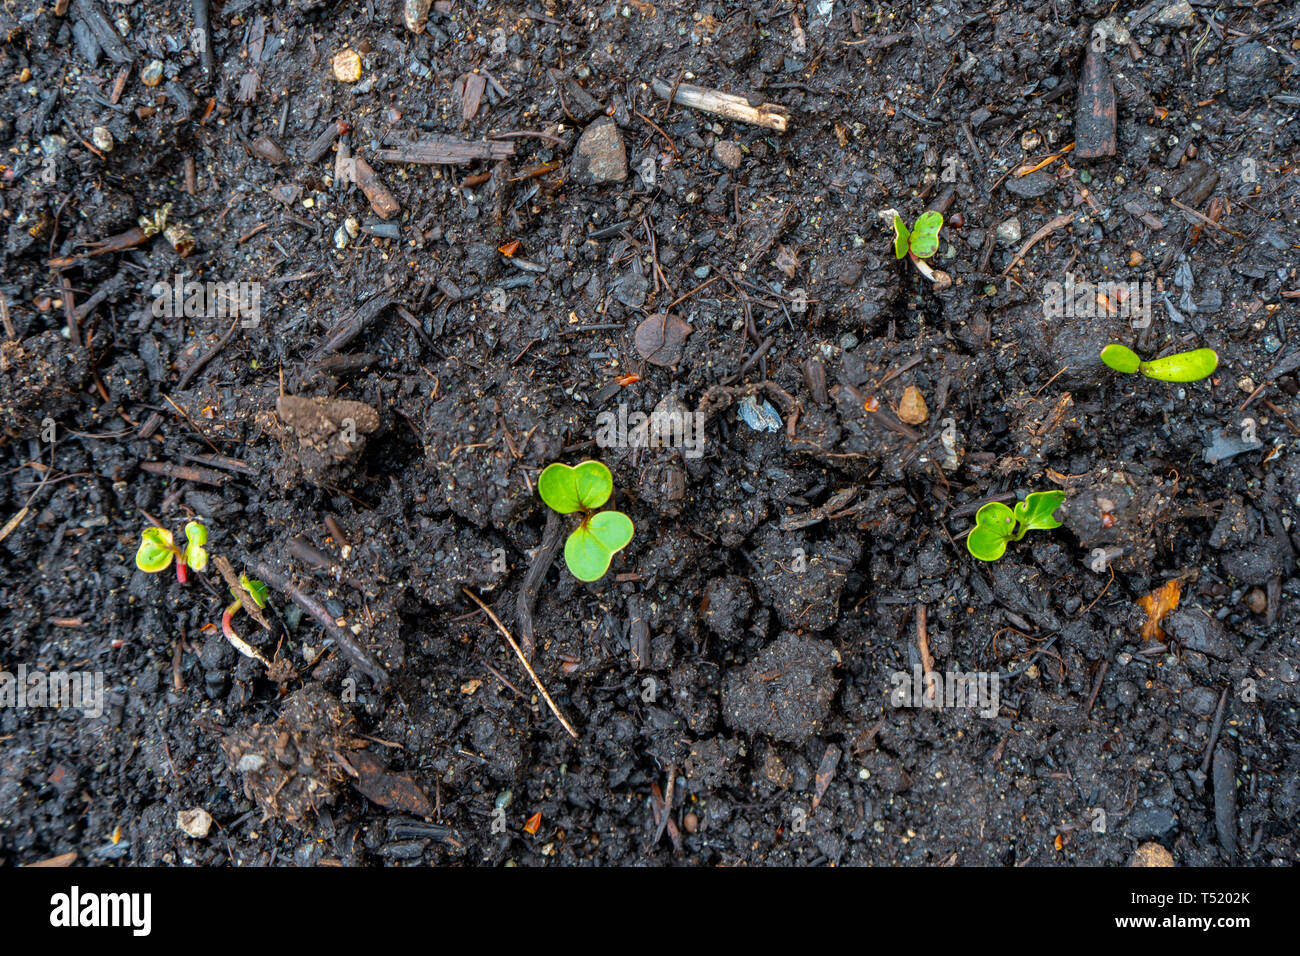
923 645
1062 220
523 660
1214 731
1101 675
70 310
359 656
552 539
10 332
732 107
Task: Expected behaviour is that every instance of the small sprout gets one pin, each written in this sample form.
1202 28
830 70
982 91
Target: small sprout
158 549
256 590
1181 367
996 524
582 489
922 241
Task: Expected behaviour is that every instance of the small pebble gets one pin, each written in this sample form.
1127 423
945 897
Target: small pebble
1008 233
1152 854
152 74
1257 601
691 822
102 139
1272 343
347 66
728 154
195 823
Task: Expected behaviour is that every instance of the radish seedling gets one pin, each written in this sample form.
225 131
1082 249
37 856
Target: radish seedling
922 240
581 490
996 524
158 550
1181 367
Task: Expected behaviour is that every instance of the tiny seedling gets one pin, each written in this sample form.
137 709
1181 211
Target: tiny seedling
256 590
158 550
922 240
996 524
602 534
1181 367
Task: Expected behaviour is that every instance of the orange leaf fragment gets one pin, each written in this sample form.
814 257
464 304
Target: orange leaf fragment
509 249
534 824
1158 604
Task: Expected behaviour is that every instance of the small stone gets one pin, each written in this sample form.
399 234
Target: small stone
1135 259
848 341
102 139
1085 176
195 823
1272 343
250 763
1257 601
1030 140
347 66
1152 854
728 153
912 409
600 156
416 14
1008 233
1177 15
152 74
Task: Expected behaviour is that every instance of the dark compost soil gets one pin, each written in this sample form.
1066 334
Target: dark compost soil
372 441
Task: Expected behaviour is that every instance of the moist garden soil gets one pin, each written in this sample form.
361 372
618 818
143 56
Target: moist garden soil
427 338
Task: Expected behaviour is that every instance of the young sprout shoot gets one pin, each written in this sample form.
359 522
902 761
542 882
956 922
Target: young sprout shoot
256 590
919 243
601 534
158 549
996 524
1181 367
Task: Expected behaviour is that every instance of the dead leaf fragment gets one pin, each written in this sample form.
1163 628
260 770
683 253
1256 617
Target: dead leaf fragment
1158 604
659 339
534 824
912 409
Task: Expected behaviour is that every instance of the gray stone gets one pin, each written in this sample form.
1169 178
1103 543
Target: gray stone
600 156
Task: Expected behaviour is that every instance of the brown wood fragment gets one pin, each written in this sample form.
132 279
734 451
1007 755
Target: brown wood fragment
446 151
381 200
770 115
394 791
1094 118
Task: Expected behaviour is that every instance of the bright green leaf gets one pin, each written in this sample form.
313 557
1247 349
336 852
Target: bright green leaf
924 241
986 544
902 238
156 550
994 527
559 489
584 488
1183 367
1121 358
1038 510
594 543
196 534
595 484
255 588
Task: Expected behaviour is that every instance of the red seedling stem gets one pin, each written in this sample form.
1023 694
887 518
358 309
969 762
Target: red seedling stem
182 571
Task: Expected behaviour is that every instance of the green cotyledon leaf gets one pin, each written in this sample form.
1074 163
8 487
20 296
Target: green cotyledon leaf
924 241
1038 510
592 546
156 550
582 488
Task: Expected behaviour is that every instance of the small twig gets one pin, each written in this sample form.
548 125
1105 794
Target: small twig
1214 731
1101 675
1062 220
923 645
552 541
523 660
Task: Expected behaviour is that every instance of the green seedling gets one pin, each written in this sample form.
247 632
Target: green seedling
922 240
1182 367
158 549
256 590
602 534
996 524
